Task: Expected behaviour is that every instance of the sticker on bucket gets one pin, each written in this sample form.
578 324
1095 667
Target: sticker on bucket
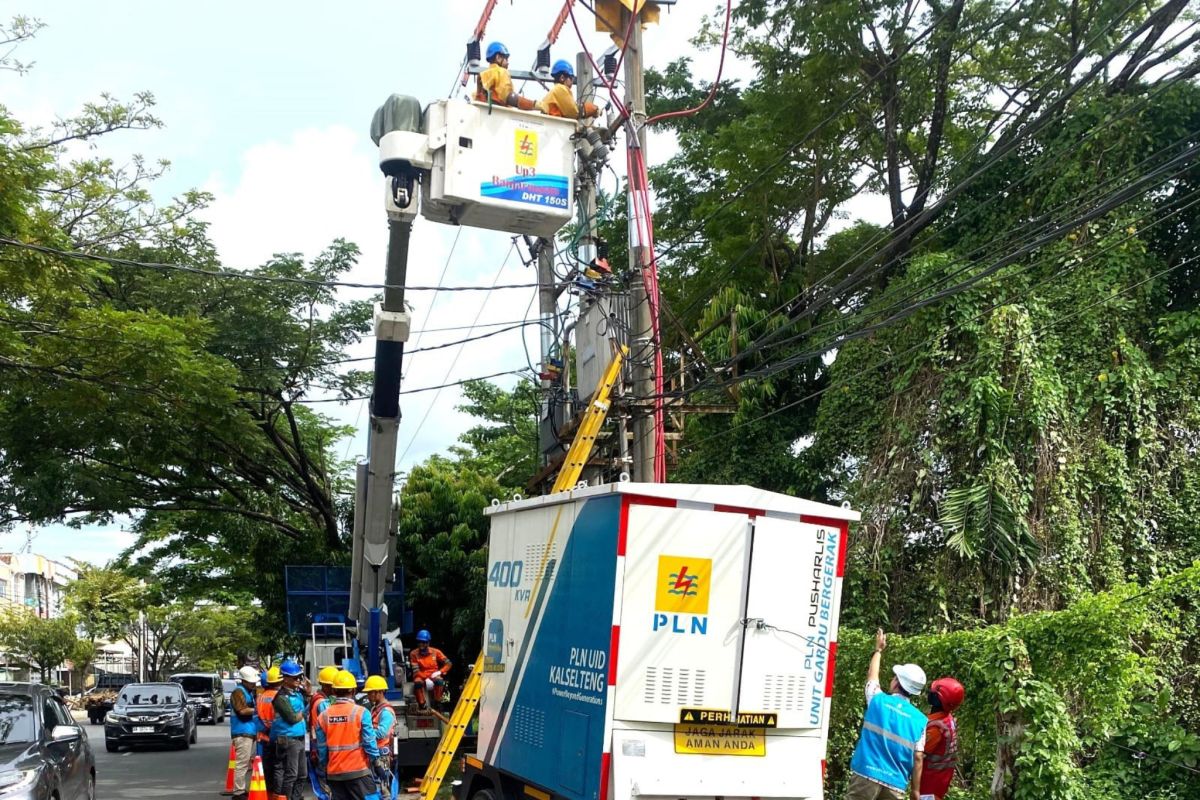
538 190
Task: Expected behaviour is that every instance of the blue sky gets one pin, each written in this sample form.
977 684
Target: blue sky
267 104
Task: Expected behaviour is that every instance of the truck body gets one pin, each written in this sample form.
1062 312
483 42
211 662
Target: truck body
658 640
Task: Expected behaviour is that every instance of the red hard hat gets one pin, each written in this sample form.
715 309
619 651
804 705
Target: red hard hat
949 691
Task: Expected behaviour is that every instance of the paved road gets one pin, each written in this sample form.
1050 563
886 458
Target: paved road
162 774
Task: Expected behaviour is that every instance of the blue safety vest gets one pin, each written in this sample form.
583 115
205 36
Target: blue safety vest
239 726
891 730
280 727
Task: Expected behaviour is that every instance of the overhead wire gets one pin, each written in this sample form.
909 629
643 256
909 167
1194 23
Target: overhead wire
820 301
248 276
454 361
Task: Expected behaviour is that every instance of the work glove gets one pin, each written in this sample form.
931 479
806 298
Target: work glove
520 101
589 110
436 675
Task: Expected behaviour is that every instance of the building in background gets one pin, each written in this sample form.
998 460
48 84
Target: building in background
34 582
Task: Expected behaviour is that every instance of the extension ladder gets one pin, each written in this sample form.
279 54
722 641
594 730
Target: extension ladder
572 468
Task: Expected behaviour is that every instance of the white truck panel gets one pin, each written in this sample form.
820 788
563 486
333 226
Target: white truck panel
681 612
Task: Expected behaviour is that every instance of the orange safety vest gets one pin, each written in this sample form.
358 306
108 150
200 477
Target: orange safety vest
314 711
342 725
266 712
429 663
383 739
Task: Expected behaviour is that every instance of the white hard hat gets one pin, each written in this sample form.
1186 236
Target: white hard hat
911 677
249 674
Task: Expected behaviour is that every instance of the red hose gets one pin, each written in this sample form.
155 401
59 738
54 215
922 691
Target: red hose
712 92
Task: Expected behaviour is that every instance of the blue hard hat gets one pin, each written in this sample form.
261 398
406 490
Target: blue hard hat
422 636
496 49
290 668
562 66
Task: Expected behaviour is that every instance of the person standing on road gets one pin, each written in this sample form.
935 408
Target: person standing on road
265 721
243 728
941 738
383 719
888 758
287 734
346 744
429 665
320 701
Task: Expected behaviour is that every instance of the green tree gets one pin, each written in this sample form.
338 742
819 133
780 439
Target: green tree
105 600
442 543
37 643
504 444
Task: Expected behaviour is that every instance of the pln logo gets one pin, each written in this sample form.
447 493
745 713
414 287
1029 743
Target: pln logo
525 151
681 596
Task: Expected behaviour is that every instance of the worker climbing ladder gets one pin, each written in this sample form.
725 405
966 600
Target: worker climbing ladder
572 468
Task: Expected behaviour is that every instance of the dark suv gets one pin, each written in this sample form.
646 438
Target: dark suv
205 694
150 713
43 753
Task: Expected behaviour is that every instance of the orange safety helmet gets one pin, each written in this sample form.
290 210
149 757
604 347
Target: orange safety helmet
949 692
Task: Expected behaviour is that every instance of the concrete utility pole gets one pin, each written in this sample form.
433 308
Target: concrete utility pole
547 310
642 345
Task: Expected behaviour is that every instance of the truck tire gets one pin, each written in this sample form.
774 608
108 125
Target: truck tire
484 794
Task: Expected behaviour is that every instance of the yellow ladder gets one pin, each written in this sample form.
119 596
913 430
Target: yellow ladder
572 468
593 418
464 710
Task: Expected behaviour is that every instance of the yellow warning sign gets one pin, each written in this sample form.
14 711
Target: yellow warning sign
720 740
525 148
745 719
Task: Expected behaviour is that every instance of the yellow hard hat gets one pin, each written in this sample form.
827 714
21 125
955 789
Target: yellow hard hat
273 675
376 683
326 675
344 680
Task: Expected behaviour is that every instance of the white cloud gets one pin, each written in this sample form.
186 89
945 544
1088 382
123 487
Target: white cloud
300 193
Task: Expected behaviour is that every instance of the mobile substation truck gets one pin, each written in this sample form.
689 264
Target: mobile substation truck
658 641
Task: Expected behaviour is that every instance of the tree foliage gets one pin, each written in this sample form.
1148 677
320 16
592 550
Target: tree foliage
37 643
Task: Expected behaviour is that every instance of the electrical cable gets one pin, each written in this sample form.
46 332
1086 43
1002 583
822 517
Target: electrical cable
454 361
840 339
437 388
225 274
712 92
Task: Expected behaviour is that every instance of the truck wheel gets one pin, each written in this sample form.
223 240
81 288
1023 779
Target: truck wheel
484 794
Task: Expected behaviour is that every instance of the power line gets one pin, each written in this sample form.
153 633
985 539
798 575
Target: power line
247 276
436 388
416 431
932 340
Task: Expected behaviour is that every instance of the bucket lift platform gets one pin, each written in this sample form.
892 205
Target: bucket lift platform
482 165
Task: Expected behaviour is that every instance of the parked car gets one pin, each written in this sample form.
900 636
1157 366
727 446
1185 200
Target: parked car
43 753
204 693
150 713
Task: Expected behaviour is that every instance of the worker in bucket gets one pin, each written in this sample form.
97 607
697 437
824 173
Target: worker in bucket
430 666
319 702
243 730
346 744
383 719
559 101
495 84
888 757
287 733
941 738
265 720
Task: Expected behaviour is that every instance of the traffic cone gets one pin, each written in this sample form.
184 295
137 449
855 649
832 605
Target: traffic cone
229 772
258 783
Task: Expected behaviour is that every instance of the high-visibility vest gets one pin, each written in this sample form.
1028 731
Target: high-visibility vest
425 664
239 726
341 724
266 713
383 732
892 728
938 770
319 702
